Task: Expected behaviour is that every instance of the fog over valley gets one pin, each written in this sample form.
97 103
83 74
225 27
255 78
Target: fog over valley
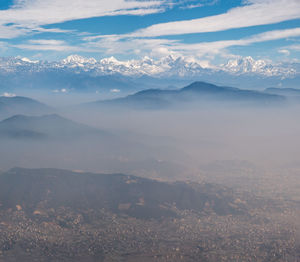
169 135
242 142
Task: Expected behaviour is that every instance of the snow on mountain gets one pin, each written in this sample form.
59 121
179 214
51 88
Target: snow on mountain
19 64
76 60
27 60
170 66
247 65
167 66
111 65
180 66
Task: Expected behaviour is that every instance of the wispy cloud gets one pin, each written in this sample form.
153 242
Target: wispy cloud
28 15
290 49
47 42
295 47
218 47
49 45
3 45
156 47
253 13
8 94
113 45
195 4
116 44
284 52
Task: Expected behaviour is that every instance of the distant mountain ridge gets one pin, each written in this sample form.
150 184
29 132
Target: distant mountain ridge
109 75
44 127
283 91
195 93
32 140
22 105
118 193
165 67
247 65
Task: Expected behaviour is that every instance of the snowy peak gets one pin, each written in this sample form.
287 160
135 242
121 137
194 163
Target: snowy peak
27 60
169 66
247 65
14 64
78 60
110 60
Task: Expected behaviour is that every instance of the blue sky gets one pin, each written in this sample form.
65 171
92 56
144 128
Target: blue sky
210 31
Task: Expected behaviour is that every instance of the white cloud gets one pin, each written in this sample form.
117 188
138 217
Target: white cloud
284 52
295 47
115 90
122 44
287 50
3 46
29 15
275 34
254 13
115 44
218 47
11 31
59 48
195 3
47 42
63 90
49 45
56 11
9 94
130 46
192 6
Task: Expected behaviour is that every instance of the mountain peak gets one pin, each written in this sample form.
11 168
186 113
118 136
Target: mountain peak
248 65
27 60
110 60
168 66
77 59
202 86
20 117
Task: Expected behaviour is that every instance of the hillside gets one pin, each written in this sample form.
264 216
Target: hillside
10 106
59 215
195 94
46 126
134 196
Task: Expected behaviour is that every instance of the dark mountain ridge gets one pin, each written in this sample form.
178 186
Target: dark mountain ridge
197 93
43 189
46 126
283 91
22 105
52 140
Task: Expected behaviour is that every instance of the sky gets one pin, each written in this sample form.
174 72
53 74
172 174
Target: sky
210 31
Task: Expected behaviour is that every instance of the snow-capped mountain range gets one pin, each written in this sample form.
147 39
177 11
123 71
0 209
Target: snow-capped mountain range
169 66
247 65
